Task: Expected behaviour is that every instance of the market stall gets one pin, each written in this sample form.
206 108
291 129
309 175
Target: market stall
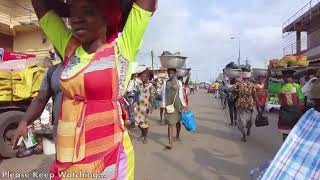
303 69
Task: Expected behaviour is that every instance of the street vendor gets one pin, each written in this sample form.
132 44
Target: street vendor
97 69
291 101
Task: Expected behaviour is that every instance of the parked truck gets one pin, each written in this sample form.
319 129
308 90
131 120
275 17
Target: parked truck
20 81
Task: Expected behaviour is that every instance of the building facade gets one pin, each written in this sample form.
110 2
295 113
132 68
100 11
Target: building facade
301 32
19 29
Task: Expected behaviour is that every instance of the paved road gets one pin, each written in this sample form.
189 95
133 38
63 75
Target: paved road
214 152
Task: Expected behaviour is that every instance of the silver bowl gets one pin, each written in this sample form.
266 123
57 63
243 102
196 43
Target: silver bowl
232 73
173 62
182 72
260 72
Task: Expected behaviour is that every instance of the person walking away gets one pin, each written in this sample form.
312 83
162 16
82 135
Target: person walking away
231 96
144 107
162 105
262 93
192 88
223 95
91 135
245 104
50 88
173 96
184 88
157 96
132 97
216 87
291 97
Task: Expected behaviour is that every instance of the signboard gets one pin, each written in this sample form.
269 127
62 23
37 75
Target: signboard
9 56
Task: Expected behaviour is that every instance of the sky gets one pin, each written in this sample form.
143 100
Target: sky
201 30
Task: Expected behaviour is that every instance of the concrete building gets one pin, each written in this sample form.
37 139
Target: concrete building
19 29
301 32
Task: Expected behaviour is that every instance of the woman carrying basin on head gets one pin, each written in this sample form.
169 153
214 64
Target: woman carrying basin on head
91 136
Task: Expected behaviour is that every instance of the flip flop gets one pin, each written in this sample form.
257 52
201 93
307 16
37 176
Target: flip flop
145 141
168 147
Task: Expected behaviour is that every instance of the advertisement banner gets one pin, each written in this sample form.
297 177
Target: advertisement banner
9 56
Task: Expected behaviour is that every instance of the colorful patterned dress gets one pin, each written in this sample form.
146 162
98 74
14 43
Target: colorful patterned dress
245 105
143 107
92 142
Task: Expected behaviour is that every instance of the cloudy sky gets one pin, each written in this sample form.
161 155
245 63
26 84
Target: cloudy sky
201 30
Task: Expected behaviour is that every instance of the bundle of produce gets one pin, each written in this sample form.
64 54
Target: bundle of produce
276 63
291 60
273 62
302 61
274 88
20 85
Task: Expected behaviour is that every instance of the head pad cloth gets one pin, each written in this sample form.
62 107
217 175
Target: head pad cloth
116 13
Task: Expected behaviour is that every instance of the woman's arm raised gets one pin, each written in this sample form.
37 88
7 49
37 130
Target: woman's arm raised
148 5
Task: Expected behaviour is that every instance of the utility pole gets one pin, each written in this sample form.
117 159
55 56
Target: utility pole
239 41
152 54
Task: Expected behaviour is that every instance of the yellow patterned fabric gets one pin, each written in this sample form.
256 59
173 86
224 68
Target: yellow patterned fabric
24 85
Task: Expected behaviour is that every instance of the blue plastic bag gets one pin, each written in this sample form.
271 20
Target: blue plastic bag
136 96
189 121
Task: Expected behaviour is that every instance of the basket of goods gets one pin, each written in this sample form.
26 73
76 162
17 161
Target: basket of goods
273 63
174 61
289 59
301 61
260 72
281 64
232 73
182 72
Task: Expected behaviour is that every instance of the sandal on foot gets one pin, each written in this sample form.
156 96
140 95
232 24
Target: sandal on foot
168 147
145 141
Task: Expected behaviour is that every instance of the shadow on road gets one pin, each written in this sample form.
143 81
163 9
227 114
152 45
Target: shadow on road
212 119
218 164
177 165
217 133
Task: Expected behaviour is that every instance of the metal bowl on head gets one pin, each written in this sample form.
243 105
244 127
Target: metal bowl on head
232 73
182 72
260 72
174 62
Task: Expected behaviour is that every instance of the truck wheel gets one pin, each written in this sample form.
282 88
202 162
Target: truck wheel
9 122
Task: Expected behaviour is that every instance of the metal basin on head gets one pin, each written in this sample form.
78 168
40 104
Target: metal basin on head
172 61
